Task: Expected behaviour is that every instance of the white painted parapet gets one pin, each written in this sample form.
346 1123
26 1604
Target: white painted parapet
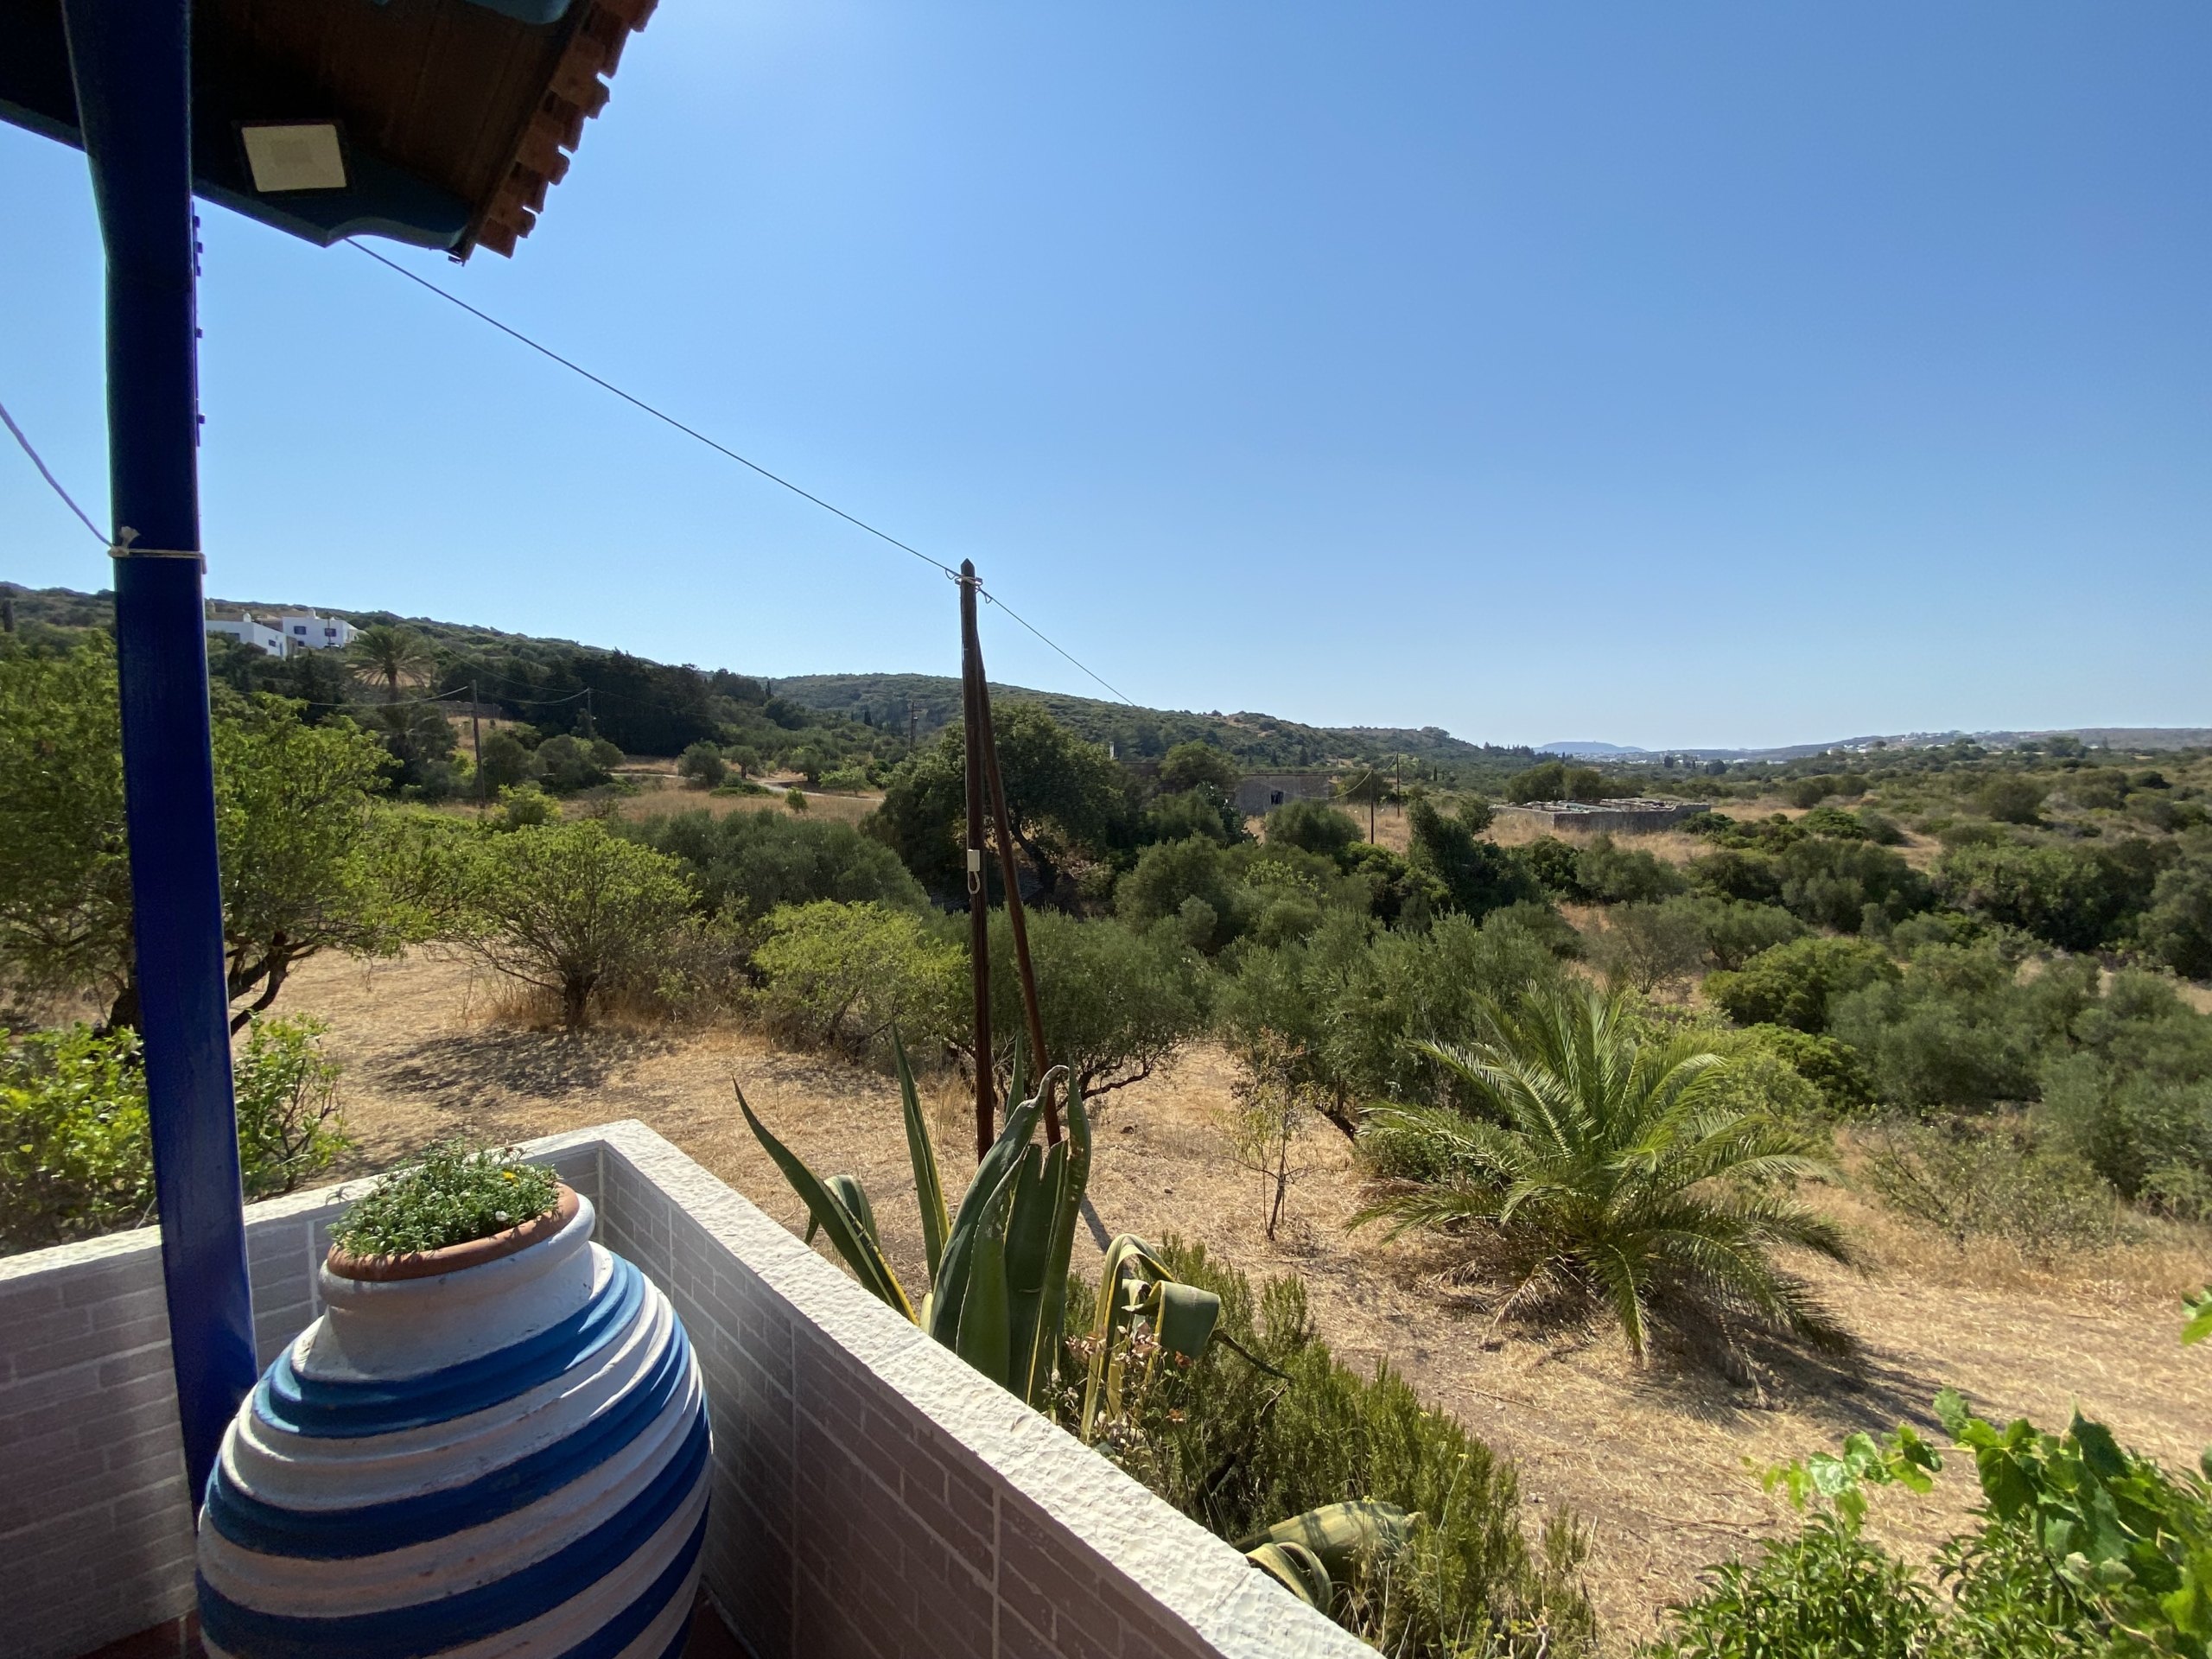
872 1495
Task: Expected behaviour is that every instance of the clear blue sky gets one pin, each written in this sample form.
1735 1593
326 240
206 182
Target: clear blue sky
1697 374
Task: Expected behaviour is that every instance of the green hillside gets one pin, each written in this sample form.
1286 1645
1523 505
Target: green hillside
1258 742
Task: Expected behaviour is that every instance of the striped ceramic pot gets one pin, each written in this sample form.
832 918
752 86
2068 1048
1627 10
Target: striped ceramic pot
494 1452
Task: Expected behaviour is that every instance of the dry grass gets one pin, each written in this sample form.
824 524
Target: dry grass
839 809
1656 1459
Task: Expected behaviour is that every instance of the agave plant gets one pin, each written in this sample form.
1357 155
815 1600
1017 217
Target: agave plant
1138 1294
1311 1555
998 1266
1606 1164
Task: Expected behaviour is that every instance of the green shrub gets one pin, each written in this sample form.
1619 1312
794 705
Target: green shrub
76 1156
1313 827
1613 875
525 807
570 764
1237 1448
2075 898
1960 1031
286 1094
1188 765
1647 946
568 909
1201 809
1551 861
2176 929
73 1148
1478 876
1881 830
843 975
2080 1549
2136 1100
745 864
1114 1002
1832 1069
1746 877
1835 822
702 765
1835 883
1971 1180
1795 983
849 780
1827 1593
457 1194
2011 799
1169 875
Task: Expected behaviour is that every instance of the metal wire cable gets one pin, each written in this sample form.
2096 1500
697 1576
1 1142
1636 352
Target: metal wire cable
692 432
53 483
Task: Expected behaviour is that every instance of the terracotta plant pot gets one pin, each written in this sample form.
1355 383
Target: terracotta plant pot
499 1449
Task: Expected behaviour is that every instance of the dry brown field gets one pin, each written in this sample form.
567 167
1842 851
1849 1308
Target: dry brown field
1655 1459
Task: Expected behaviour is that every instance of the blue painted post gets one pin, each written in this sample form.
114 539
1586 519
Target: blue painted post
131 60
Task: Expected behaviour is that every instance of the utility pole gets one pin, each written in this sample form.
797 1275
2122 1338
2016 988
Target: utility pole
476 742
979 920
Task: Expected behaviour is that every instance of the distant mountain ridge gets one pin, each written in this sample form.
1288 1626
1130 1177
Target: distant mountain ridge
2115 737
925 703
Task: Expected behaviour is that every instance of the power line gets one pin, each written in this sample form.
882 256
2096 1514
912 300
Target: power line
639 403
693 432
53 483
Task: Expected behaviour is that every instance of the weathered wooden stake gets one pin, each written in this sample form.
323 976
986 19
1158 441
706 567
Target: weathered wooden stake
979 918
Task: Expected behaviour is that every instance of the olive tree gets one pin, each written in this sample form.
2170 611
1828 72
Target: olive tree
568 909
305 857
1114 1002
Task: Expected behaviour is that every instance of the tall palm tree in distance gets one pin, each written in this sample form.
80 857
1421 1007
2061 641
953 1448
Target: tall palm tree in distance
389 656
1607 1166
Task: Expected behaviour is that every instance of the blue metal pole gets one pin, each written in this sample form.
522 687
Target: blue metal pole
131 63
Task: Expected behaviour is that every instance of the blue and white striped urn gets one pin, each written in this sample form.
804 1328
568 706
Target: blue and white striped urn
498 1452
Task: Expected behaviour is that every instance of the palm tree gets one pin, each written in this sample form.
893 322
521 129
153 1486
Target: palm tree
383 655
1605 1164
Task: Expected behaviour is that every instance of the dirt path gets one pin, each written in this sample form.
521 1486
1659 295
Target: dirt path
1654 1460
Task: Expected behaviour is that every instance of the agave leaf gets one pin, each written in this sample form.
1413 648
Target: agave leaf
984 1339
1028 1242
1298 1569
1340 1535
997 1166
929 1188
1188 1316
1075 1179
849 1192
855 1242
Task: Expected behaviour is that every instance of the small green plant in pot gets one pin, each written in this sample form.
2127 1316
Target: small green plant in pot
479 1361
455 1196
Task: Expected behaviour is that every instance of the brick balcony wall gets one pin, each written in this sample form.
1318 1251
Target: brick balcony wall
874 1497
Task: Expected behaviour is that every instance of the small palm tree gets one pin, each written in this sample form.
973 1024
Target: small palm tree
1605 1164
383 655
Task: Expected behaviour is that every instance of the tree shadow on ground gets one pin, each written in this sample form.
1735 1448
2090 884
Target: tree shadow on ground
498 1066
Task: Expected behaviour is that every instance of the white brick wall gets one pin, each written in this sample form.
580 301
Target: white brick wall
874 1497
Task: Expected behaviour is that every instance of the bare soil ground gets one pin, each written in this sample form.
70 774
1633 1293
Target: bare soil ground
1654 1459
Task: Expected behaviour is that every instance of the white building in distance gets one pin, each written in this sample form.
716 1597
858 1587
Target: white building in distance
264 637
309 631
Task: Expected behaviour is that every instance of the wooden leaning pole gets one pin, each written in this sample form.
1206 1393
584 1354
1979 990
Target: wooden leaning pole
983 776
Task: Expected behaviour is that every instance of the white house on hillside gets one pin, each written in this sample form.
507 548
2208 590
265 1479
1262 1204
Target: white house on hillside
311 633
262 636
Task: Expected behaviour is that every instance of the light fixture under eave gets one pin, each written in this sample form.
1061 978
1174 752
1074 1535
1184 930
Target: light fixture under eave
294 156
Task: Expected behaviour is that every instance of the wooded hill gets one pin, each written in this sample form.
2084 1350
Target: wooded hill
649 708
